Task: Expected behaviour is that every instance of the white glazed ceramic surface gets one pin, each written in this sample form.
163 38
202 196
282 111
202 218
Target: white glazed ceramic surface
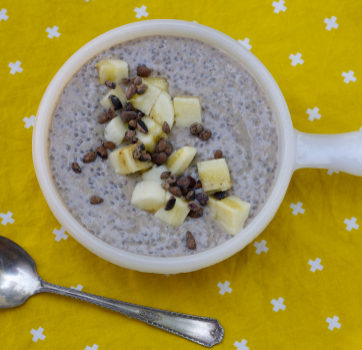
296 150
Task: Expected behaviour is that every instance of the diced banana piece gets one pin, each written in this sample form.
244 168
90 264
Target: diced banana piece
123 162
187 110
148 140
154 134
149 196
162 110
211 203
154 174
160 82
146 101
177 215
179 161
214 175
231 213
113 70
115 130
158 133
119 92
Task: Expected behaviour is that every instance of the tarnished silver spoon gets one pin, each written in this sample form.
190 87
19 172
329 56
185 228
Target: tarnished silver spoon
19 281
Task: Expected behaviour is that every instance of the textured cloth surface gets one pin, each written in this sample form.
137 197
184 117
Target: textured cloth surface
275 298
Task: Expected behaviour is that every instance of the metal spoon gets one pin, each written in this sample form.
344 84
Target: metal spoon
19 281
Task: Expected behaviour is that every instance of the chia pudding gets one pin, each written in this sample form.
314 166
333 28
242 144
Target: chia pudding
234 108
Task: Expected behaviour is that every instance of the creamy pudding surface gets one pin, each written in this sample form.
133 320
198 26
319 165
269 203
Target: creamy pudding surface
234 108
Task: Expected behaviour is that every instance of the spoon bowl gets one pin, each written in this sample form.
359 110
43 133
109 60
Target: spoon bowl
18 277
19 280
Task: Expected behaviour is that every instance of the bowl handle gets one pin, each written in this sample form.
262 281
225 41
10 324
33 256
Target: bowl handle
340 152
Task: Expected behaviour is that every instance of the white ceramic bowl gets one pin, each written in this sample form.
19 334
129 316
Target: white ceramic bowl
296 150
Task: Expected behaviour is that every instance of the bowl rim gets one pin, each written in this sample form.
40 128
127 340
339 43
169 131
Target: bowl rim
144 263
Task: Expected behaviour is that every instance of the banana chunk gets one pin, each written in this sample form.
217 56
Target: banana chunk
148 140
154 174
159 82
162 110
119 92
231 213
214 175
113 70
179 161
177 215
146 101
148 196
154 134
123 162
115 130
187 110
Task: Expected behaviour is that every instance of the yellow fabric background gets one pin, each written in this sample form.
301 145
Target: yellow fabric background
245 313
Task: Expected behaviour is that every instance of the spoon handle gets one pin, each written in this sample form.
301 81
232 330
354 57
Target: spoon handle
202 330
